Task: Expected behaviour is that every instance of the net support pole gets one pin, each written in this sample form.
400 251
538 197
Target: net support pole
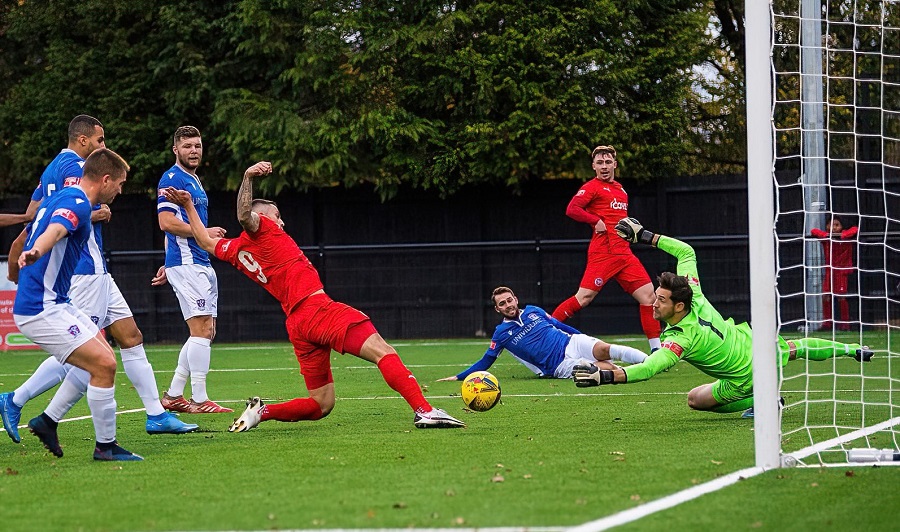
760 197
812 99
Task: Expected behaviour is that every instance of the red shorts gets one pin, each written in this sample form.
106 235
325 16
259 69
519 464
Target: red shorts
320 325
835 281
627 270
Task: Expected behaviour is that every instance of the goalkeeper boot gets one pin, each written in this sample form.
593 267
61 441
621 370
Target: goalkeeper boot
10 412
749 413
436 419
251 416
864 354
112 452
45 429
167 423
586 375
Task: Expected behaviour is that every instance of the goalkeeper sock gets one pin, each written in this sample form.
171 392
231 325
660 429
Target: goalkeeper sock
736 406
626 354
568 308
403 382
821 349
300 409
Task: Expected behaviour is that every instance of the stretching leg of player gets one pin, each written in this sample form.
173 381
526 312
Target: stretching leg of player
46 376
96 358
703 397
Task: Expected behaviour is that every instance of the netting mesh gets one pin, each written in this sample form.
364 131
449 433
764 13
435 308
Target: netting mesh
836 119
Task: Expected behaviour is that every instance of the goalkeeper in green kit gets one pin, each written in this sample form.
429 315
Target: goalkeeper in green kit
697 333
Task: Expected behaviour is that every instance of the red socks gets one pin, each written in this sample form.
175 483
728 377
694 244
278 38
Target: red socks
402 381
300 409
650 325
567 309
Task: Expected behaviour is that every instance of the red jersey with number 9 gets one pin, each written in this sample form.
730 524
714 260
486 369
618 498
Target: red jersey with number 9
274 261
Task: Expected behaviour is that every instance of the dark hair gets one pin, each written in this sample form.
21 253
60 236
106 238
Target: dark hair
500 290
678 285
603 150
838 218
104 162
185 132
257 202
82 125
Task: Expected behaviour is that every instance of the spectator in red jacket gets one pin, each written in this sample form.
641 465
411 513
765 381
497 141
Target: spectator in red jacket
837 246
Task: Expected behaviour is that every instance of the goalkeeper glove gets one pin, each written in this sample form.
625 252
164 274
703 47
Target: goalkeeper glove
585 376
631 230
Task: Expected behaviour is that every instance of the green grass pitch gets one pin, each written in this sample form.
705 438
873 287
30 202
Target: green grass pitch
551 455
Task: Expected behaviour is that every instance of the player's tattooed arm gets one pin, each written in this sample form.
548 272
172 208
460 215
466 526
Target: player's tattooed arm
250 220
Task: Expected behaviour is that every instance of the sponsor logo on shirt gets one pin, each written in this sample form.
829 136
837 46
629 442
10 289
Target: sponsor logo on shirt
70 181
580 193
598 281
160 192
68 215
74 331
620 205
225 246
693 280
673 347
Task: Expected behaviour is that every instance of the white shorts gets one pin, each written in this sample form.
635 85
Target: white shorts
197 289
99 297
59 329
579 350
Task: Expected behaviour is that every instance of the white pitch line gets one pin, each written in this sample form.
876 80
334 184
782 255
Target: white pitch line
669 501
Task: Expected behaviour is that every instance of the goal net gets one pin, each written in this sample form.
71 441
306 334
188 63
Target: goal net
835 149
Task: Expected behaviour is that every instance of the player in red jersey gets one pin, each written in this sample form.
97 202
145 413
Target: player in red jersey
601 203
837 246
316 324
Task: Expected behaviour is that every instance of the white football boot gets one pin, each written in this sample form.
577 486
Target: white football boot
251 416
436 419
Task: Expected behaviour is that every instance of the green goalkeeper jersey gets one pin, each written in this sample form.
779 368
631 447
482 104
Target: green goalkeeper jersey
713 345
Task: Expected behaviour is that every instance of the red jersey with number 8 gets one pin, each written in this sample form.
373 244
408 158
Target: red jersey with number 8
272 259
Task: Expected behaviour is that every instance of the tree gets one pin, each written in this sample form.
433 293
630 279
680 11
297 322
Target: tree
415 93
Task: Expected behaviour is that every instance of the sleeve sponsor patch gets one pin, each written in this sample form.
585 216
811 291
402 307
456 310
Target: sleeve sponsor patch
493 344
673 347
67 214
71 181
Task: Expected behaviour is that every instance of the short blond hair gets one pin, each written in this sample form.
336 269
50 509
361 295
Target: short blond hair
603 150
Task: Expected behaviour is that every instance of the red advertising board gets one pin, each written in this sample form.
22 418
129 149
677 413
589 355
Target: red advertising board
10 337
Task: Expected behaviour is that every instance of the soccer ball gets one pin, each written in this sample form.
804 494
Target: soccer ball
481 391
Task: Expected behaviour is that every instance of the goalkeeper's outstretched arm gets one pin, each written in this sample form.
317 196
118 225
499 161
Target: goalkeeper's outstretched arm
631 230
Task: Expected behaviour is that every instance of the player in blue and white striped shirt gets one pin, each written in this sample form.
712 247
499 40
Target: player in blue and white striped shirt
93 291
43 311
188 270
543 344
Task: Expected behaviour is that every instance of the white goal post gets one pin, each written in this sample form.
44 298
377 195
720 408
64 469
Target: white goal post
823 133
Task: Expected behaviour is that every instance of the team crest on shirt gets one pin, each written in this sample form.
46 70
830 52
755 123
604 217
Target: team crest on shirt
673 347
532 316
74 331
201 304
67 214
598 282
